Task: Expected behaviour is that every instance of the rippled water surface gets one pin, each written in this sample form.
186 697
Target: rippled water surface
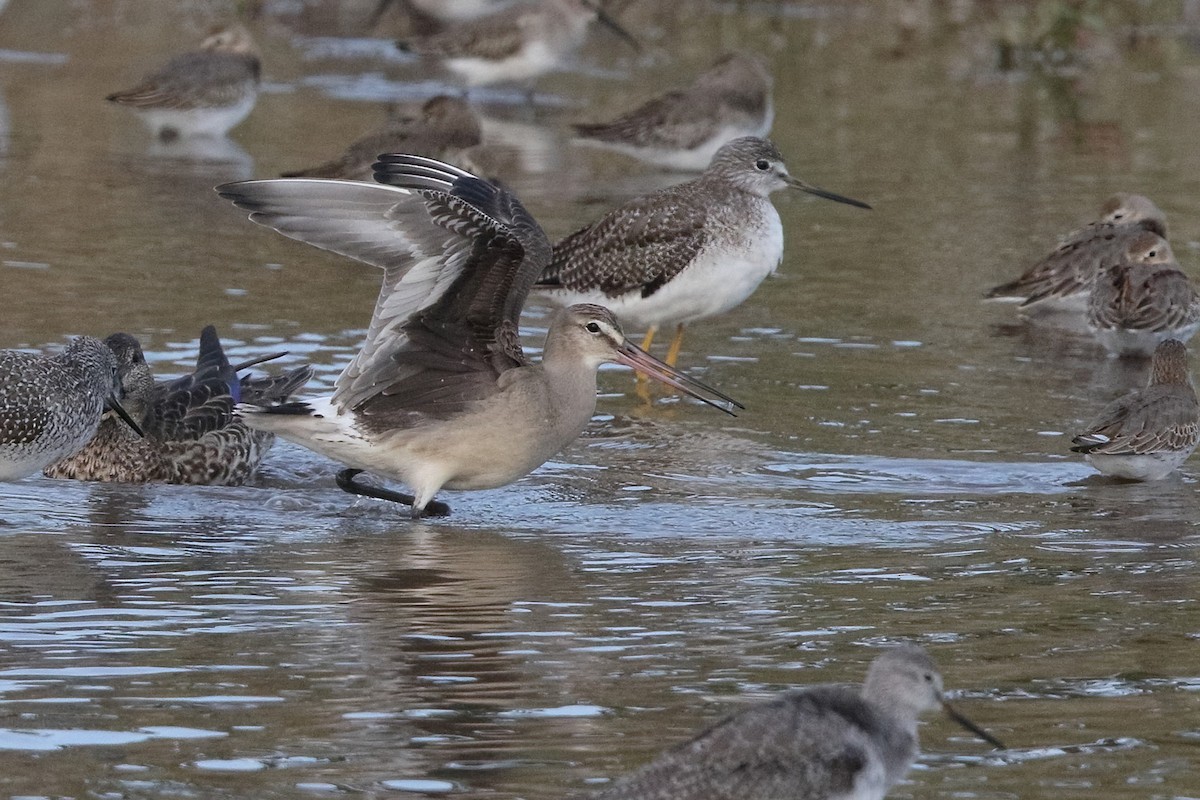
901 471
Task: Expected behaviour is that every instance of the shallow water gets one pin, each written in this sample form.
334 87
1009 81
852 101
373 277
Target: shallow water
901 470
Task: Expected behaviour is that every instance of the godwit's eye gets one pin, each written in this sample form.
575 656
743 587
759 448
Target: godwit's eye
762 165
928 677
592 327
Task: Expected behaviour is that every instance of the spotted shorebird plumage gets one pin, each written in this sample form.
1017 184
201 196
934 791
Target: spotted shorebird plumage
201 93
50 406
684 253
683 129
441 395
1060 283
1143 300
192 434
1148 433
446 127
516 44
826 742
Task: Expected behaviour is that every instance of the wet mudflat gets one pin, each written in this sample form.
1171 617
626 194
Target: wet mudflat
901 470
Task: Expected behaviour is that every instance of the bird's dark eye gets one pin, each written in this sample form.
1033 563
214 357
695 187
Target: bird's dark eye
762 165
593 327
1151 254
928 677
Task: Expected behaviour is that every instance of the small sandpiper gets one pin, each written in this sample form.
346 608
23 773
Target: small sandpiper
201 93
50 406
1143 300
1059 284
683 129
825 742
441 393
446 127
191 432
686 252
1148 433
517 44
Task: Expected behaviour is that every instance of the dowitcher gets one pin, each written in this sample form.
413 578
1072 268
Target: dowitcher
441 395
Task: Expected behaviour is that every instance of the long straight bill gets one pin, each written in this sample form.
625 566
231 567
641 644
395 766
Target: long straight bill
633 356
796 183
971 726
115 405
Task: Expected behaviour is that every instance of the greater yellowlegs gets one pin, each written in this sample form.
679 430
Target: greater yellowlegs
50 406
201 93
683 129
191 432
1147 434
440 394
1143 300
1059 283
446 127
683 253
516 44
827 742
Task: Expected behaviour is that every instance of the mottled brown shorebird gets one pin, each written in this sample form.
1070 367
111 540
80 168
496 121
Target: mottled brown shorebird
50 406
1143 300
683 129
686 252
827 742
445 128
1148 433
441 394
191 432
201 93
1059 284
516 44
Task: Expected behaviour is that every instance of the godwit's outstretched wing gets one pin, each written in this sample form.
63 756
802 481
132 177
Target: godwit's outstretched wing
459 256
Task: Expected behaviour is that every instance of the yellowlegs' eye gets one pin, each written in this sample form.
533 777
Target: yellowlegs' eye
592 327
762 165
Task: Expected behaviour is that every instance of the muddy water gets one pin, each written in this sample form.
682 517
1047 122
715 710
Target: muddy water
901 470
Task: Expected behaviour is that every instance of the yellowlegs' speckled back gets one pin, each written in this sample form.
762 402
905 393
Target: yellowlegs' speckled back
683 129
516 44
1143 300
684 253
446 127
51 405
201 93
191 432
827 742
440 394
1060 282
1147 434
